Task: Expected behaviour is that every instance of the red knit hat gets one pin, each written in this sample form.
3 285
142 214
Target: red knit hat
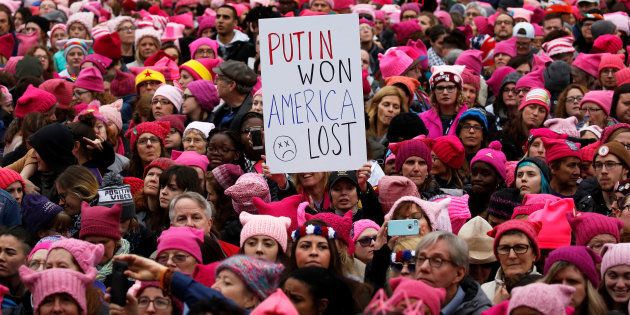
135 184
286 207
588 152
342 225
90 79
100 221
623 76
558 149
586 225
8 177
124 84
158 128
61 89
530 229
450 151
555 231
614 61
34 100
607 43
161 163
7 42
177 121
109 46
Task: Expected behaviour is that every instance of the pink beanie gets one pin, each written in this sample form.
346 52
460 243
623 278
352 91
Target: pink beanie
361 225
394 63
586 225
614 255
404 30
566 126
507 47
558 46
607 43
112 113
90 79
555 231
471 79
171 93
533 79
405 288
581 257
227 174
545 298
614 61
409 148
434 210
86 254
186 239
55 281
34 100
530 229
458 212
493 156
248 186
341 224
100 221
588 63
444 17
266 225
391 188
286 207
204 41
496 80
472 60
190 158
603 99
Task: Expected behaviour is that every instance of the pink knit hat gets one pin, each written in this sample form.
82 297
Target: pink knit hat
403 288
341 225
529 228
173 32
171 93
581 257
159 129
614 61
394 63
405 29
186 239
536 96
471 59
248 186
168 68
436 211
8 177
99 61
533 79
204 41
603 99
444 18
607 43
391 188
409 148
471 79
588 63
555 231
190 158
614 255
286 207
227 174
507 47
587 225
496 80
55 281
84 18
276 303
86 254
90 79
545 298
100 221
558 46
34 100
205 93
458 211
361 225
566 126
112 113
493 156
266 225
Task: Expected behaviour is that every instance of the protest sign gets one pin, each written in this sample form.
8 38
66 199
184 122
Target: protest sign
312 93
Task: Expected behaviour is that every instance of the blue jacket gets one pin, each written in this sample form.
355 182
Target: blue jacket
190 291
9 210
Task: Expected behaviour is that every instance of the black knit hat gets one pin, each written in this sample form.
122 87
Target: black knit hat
114 191
406 126
503 202
544 169
54 144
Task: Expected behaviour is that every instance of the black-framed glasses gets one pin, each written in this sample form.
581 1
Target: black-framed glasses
608 164
523 91
146 140
519 249
398 266
574 99
434 262
511 90
366 240
472 128
447 88
127 29
160 303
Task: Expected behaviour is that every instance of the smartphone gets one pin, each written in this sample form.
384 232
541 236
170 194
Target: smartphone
120 284
256 135
403 227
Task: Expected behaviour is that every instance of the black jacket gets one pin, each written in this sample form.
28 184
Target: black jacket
225 109
589 197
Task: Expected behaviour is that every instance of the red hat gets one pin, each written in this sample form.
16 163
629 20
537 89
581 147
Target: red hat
124 84
61 89
588 152
556 231
558 149
158 128
34 100
135 184
8 177
151 60
607 43
342 225
286 207
109 46
530 229
161 163
586 225
185 19
450 151
90 79
100 221
7 42
623 76
177 121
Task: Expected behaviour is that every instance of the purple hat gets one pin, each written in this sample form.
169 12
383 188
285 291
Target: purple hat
205 92
38 211
582 257
409 148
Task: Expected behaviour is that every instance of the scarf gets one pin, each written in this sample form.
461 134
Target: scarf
106 269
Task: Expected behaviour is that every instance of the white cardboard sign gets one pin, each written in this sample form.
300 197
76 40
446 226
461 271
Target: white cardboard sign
312 93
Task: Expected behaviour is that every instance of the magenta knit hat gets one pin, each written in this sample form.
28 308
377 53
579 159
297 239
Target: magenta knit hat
248 186
581 257
587 225
168 68
266 225
545 298
34 100
603 99
99 61
496 80
87 255
186 239
607 43
90 79
588 63
533 79
450 150
100 221
54 281
361 225
405 288
409 148
341 224
436 211
471 79
394 63
206 94
204 41
507 47
227 174
493 156
614 255
8 177
471 59
391 188
405 29
190 158
565 126
614 61
529 228
555 231
286 207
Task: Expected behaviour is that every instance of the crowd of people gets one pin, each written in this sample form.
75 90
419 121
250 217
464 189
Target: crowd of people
497 179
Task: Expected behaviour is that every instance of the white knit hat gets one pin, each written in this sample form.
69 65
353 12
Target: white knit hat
147 32
85 18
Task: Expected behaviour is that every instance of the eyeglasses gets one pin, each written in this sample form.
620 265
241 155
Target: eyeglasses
366 241
398 267
193 140
35 264
522 91
591 109
447 88
187 96
512 90
221 150
574 99
176 258
519 249
248 130
435 262
78 93
162 102
127 29
609 71
149 83
596 247
159 303
472 128
146 140
204 52
608 164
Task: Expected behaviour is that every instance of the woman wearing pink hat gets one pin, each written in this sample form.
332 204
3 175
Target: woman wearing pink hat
146 141
615 272
179 249
13 183
532 112
596 106
264 237
447 101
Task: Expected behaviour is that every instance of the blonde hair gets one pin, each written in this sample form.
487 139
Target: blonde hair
407 243
593 303
372 108
80 181
300 188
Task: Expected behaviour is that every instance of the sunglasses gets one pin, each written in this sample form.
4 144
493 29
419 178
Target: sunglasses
398 266
366 241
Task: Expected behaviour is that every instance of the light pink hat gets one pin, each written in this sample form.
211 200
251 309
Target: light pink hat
361 225
436 211
85 18
545 298
394 62
168 68
248 186
615 255
112 112
86 254
266 225
190 158
172 93
173 32
566 126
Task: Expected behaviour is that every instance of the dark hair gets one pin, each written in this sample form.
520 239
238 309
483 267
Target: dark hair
435 32
334 265
47 73
172 45
185 178
84 128
561 108
22 235
551 16
555 34
215 306
323 284
515 62
229 7
622 89
236 141
248 116
456 39
7 11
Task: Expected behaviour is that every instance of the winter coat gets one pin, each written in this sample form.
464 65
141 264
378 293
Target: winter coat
432 121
